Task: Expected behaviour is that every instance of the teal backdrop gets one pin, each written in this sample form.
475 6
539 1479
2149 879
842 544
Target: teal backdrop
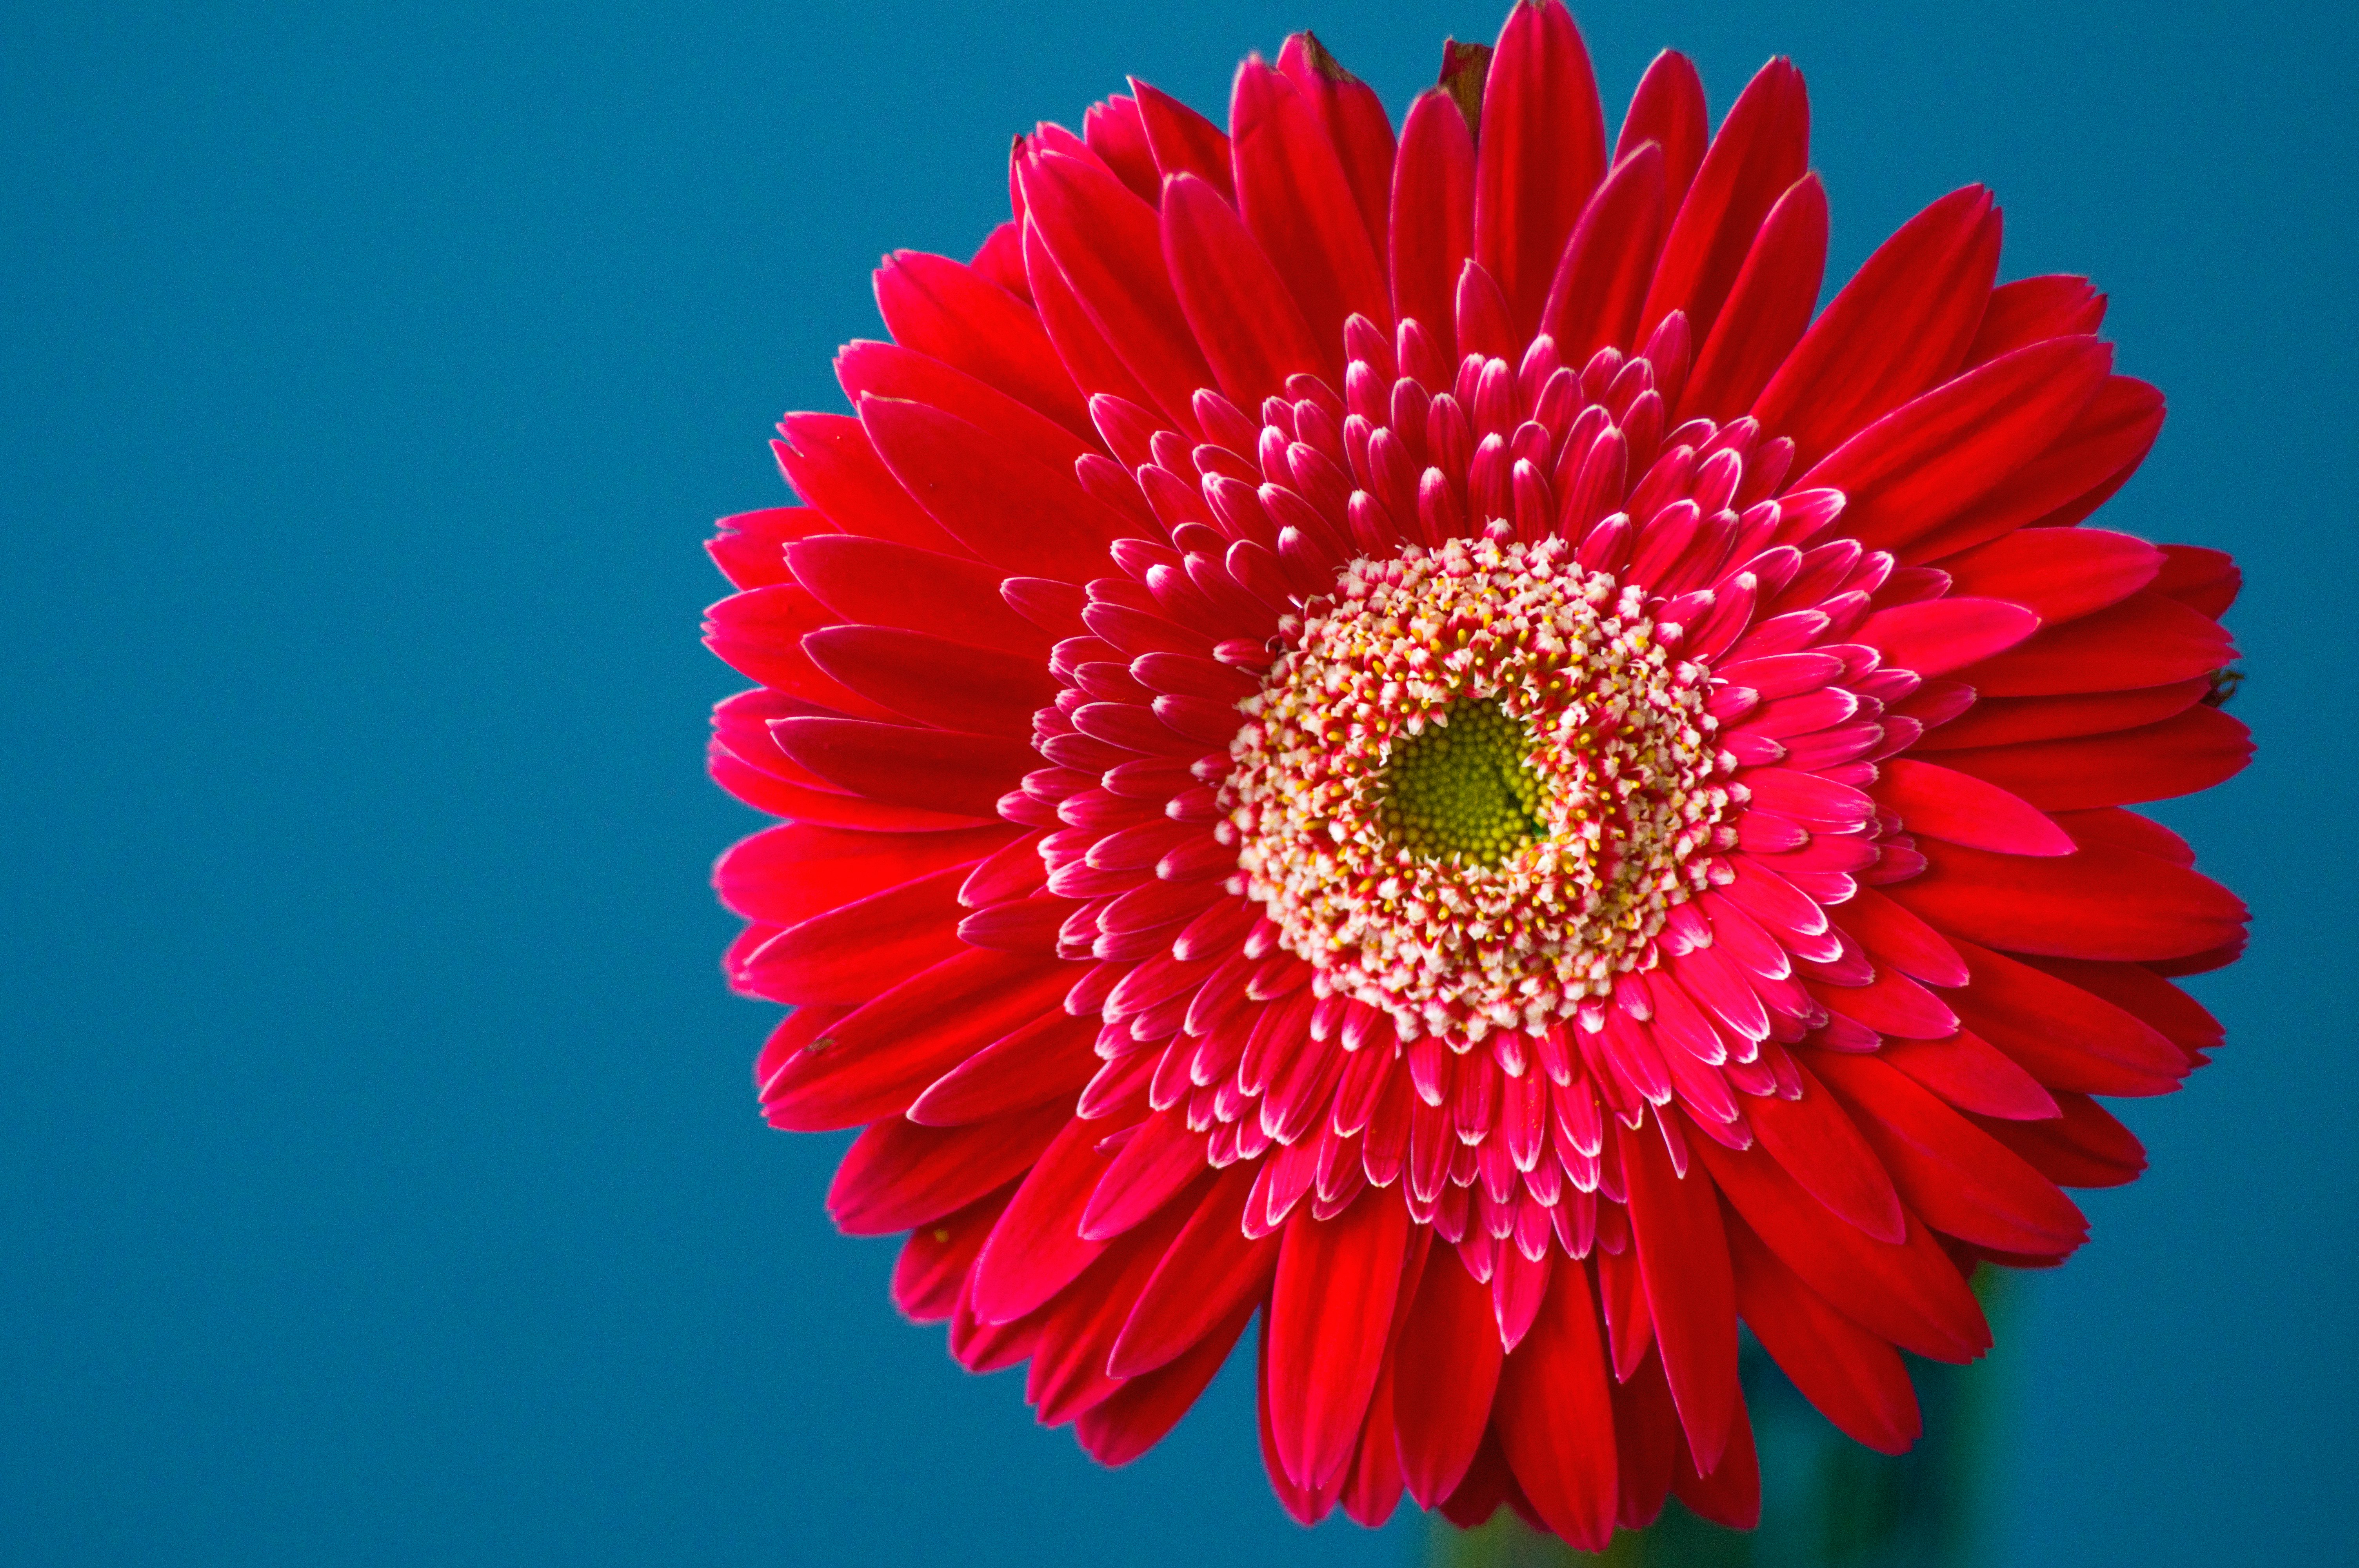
380 1181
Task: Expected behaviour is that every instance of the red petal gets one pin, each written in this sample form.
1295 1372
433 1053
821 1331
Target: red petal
1244 318
1432 228
1372 1487
1159 1162
2092 457
1036 1249
2060 574
1668 109
1601 281
1104 241
1298 204
931 1270
2062 1035
2102 903
1893 936
899 1174
2204 580
1212 1270
1909 1294
935 770
829 461
1355 119
2139 991
1970 1073
1929 460
2194 751
1089 358
1555 1419
788 874
953 313
2084 1148
1676 1222
1337 1282
1053 1055
1002 506
751 549
1941 803
1136 1417
1444 1373
1960 1179
934 680
874 1062
1541 151
1899 326
1309 1505
850 954
1730 1494
1764 146
888 369
2146 640
1855 1378
1647 1441
2030 308
2008 721
1820 1148
878 583
1183 141
1935 635
1768 307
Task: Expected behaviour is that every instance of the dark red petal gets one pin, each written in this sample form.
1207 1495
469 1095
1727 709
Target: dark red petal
1297 200
2146 640
1764 146
1647 1441
1961 808
1675 1220
1970 1073
1432 226
2145 995
935 770
2060 574
1929 460
1555 1419
1444 1373
2083 1148
899 1174
1892 936
1899 326
1767 308
1730 1494
2101 902
2204 580
1541 151
1855 1378
1244 319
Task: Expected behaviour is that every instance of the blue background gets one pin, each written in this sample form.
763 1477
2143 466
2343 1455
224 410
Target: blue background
380 1180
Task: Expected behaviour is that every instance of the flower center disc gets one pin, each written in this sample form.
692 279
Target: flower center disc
1472 789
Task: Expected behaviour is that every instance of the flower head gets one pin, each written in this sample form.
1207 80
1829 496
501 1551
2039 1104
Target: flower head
1387 733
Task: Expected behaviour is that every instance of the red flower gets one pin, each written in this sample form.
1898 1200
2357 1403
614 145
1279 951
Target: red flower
1391 735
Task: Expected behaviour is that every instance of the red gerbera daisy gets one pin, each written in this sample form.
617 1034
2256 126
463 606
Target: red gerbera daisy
1389 734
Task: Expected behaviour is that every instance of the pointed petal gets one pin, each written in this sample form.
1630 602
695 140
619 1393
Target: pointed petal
1432 226
1540 153
1556 1420
1329 1310
1675 1220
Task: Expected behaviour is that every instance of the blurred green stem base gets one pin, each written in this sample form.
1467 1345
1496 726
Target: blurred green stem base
1825 1501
